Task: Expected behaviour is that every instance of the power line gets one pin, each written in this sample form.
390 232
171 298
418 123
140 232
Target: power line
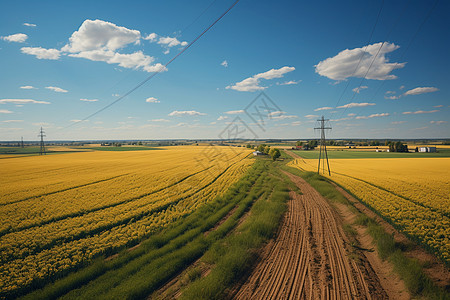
157 72
362 54
375 57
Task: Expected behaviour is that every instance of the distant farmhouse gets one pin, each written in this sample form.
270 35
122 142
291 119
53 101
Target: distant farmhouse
256 153
427 149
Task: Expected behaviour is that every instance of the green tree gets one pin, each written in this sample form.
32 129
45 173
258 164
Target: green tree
266 149
261 148
275 153
299 143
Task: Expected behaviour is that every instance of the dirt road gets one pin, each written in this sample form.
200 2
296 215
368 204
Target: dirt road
311 257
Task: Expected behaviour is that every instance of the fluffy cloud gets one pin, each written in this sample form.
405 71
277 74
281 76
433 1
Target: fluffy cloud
419 112
12 121
398 122
22 101
350 105
5 111
42 53
438 122
222 118
251 84
89 100
186 113
343 65
151 37
17 38
373 116
166 42
28 87
415 91
234 112
98 34
152 100
224 63
421 90
170 41
289 82
437 106
311 116
160 120
358 89
56 89
134 60
29 24
323 108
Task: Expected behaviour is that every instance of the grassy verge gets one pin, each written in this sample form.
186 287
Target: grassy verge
233 256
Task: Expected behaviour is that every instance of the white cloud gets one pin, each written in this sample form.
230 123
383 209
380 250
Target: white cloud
151 37
22 101
283 117
160 120
234 112
392 97
289 82
98 34
222 118
311 116
99 40
12 121
89 100
358 89
296 123
152 100
419 112
390 92
224 63
323 108
398 122
42 53
438 122
133 60
170 41
351 115
421 90
251 84
372 116
56 89
186 113
343 65
17 38
5 111
402 87
350 105
437 106
29 24
28 87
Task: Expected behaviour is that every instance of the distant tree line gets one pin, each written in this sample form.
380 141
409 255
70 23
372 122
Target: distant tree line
272 152
397 146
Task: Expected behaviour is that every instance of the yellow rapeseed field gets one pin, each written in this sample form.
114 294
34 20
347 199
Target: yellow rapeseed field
413 193
59 211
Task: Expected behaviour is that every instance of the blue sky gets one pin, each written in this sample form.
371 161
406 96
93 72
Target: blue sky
62 61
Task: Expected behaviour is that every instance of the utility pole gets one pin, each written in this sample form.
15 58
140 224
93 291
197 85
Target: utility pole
21 144
323 146
42 148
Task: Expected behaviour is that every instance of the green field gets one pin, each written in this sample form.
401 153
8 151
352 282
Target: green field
107 148
349 154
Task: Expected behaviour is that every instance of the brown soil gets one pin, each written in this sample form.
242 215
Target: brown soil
311 257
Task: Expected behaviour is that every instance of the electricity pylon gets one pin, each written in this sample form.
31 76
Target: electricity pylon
323 146
42 146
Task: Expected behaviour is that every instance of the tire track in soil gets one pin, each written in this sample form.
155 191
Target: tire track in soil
309 259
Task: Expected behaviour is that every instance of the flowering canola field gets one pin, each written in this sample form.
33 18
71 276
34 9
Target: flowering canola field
413 193
60 211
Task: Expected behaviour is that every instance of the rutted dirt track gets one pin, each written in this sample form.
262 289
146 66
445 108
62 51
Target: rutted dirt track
310 257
